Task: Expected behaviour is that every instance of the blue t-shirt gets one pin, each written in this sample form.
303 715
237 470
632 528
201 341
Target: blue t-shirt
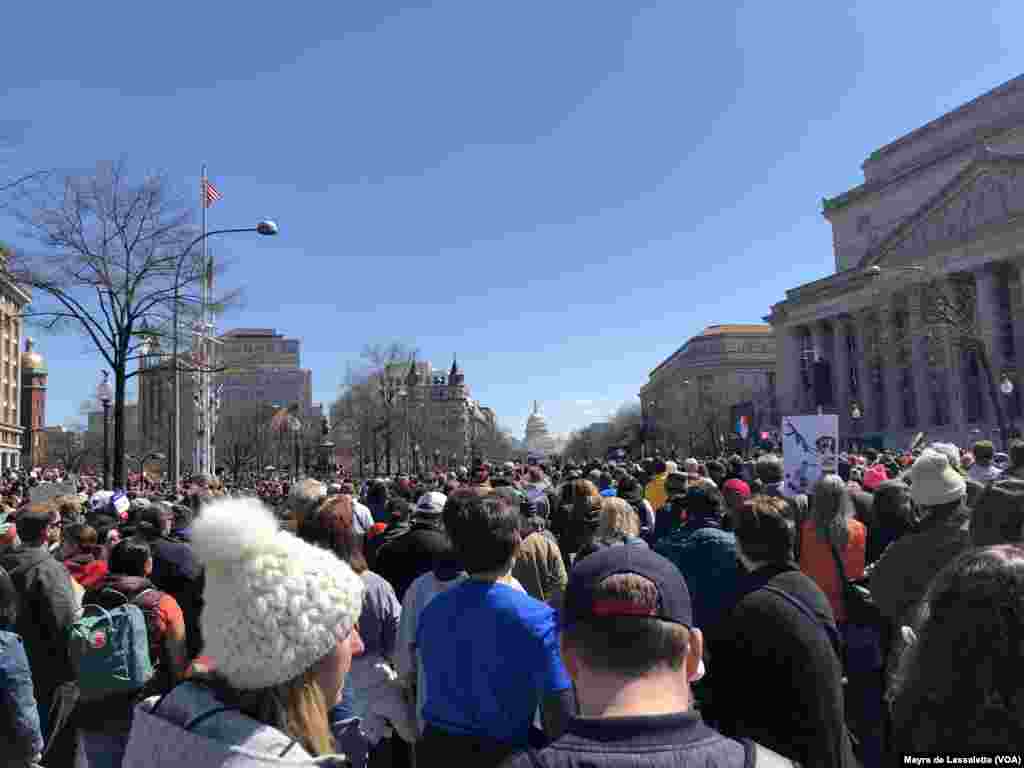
490 655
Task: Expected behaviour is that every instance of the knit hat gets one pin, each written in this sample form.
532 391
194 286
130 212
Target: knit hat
274 605
874 477
738 486
431 503
933 481
950 451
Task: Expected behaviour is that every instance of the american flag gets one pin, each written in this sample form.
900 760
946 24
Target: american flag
212 194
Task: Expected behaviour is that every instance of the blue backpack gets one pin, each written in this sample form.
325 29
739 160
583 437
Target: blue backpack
110 649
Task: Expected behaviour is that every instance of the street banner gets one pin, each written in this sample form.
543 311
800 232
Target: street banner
47 491
809 445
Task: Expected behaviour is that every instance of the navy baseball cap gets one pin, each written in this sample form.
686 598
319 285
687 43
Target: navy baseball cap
581 604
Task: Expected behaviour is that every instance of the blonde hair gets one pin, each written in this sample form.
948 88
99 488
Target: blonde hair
618 517
297 707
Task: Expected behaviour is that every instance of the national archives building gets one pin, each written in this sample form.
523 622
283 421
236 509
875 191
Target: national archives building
942 205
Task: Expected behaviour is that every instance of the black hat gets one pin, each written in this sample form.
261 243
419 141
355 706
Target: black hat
579 604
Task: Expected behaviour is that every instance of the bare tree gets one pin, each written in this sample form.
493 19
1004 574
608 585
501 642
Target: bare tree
243 435
949 322
115 253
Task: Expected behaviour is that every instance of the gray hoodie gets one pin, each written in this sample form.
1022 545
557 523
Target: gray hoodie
227 739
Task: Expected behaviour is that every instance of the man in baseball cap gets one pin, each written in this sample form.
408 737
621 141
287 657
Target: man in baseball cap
629 645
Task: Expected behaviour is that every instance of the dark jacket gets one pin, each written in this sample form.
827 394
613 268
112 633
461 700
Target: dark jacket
48 607
412 554
706 556
20 737
680 740
395 530
777 676
903 572
177 572
668 518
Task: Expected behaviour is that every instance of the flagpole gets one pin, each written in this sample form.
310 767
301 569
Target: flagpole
203 397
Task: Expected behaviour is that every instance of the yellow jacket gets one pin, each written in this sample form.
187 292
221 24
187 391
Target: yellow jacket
655 491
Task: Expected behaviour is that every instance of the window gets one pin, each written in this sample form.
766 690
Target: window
973 389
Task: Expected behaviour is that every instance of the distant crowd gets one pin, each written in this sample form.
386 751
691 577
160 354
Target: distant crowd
594 613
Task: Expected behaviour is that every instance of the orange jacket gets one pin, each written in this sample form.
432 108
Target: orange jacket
817 562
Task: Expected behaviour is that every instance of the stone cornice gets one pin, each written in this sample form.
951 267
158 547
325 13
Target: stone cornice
985 159
924 161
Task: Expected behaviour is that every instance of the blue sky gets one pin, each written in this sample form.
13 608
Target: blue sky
561 192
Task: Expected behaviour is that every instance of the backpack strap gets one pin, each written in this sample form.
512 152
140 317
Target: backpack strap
207 715
288 748
830 629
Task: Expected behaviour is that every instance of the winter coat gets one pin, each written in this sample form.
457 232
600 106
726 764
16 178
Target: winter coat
818 562
402 559
668 518
902 574
777 677
706 556
183 731
86 569
20 736
48 607
655 491
539 567
177 572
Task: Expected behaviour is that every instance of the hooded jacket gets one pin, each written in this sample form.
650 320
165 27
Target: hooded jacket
191 727
903 572
412 554
19 717
445 575
48 607
86 569
706 556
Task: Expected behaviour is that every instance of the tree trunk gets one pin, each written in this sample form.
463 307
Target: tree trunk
994 395
119 422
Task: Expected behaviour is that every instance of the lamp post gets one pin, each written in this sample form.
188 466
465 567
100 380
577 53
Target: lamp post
1006 387
265 227
105 395
856 415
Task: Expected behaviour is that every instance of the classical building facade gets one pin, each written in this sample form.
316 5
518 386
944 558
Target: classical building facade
695 393
33 407
939 214
13 299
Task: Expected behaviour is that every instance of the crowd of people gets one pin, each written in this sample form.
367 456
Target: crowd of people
521 615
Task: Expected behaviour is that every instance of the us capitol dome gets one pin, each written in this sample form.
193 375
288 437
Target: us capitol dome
538 439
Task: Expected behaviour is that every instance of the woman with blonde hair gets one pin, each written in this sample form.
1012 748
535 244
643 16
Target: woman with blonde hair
620 521
280 624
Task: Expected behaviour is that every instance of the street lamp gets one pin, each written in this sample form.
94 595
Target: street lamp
1006 386
104 395
264 227
856 415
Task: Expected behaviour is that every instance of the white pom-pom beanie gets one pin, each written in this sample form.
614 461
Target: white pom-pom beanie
274 605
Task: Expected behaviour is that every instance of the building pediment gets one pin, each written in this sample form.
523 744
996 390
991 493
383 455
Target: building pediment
988 192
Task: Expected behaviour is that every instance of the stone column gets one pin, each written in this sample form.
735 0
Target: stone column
859 327
841 373
919 363
986 280
893 370
819 349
